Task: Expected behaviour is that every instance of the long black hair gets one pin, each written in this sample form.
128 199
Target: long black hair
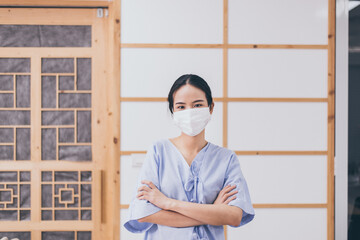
193 80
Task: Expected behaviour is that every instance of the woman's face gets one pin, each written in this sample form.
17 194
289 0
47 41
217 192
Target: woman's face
188 97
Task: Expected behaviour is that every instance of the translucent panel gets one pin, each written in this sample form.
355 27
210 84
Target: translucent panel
8 176
85 214
6 100
23 144
46 195
124 233
75 204
57 203
15 65
45 36
66 135
66 83
129 175
13 204
74 100
46 215
14 188
277 126
214 129
263 22
296 188
6 152
58 235
19 235
57 117
66 196
85 195
5 196
6 135
8 215
24 195
22 91
58 187
57 65
156 126
46 176
25 176
84 235
159 125
25 215
283 224
68 176
83 126
48 91
162 21
48 144
75 153
14 117
278 73
75 187
86 176
83 74
6 82
161 67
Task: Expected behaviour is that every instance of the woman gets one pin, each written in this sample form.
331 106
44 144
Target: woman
188 187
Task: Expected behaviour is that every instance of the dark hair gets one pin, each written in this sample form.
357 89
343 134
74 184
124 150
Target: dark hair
193 80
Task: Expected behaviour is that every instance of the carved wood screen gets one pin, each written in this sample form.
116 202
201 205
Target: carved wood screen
53 80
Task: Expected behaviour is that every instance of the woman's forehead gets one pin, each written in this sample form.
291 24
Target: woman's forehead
188 93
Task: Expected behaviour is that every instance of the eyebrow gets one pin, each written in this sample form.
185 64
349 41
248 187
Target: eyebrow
199 100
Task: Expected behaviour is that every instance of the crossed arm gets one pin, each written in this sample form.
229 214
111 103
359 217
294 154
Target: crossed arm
176 213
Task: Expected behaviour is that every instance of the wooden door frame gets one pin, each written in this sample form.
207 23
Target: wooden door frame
111 177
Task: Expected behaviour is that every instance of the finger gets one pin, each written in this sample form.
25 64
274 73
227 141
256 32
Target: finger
230 188
144 188
230 199
149 183
230 194
142 193
224 189
142 197
152 185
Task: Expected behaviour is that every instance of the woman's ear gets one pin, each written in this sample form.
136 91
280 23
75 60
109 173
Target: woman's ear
212 107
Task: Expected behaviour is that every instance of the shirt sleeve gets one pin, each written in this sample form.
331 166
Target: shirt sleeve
234 176
142 208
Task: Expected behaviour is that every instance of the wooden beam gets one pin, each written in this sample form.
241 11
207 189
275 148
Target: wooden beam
56 3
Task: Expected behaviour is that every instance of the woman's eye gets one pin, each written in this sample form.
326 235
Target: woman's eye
198 105
180 107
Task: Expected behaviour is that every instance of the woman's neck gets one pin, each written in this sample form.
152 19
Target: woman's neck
192 144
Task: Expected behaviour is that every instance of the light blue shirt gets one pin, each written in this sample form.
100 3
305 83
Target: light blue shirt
212 169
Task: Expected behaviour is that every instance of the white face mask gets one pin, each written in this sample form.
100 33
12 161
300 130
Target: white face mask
192 121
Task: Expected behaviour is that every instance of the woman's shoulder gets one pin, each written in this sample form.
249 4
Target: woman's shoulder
219 151
158 144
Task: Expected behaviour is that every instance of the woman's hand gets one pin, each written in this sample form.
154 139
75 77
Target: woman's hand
153 195
225 196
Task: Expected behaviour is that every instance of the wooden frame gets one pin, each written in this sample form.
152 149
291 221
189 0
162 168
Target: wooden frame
330 99
55 3
106 169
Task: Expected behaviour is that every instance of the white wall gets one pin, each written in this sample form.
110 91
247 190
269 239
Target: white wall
254 73
341 128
